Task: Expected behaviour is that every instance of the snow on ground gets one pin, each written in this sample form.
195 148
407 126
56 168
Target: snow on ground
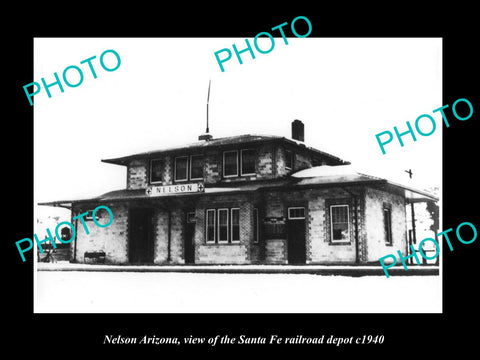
164 292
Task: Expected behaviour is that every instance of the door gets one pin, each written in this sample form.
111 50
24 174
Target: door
296 248
140 236
190 238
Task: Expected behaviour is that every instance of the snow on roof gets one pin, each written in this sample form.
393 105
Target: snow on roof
327 174
325 170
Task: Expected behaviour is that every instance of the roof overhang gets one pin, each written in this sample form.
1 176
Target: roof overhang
414 195
222 143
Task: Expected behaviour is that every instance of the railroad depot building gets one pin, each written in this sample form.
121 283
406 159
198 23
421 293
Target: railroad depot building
245 199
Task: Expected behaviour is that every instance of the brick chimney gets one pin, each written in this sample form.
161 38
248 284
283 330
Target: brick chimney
298 130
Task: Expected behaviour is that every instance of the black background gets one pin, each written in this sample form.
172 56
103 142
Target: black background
59 335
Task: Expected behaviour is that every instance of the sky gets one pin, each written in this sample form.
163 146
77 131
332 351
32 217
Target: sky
344 90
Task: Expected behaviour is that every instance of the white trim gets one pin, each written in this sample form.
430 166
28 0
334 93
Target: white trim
175 169
296 218
219 241
231 225
190 168
229 151
348 224
214 226
257 233
154 182
241 162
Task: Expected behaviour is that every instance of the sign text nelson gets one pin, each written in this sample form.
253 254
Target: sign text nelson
174 189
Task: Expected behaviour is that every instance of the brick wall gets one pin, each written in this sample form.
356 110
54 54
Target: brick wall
177 235
160 233
374 223
235 253
320 249
264 166
270 163
222 254
137 175
280 162
112 239
213 167
167 175
275 247
276 251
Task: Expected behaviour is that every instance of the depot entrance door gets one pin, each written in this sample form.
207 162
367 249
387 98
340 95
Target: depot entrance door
296 247
140 236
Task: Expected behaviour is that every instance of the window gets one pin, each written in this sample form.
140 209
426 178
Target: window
248 161
196 167
288 160
156 171
230 163
210 226
256 236
387 224
235 221
339 224
237 162
296 213
181 166
222 226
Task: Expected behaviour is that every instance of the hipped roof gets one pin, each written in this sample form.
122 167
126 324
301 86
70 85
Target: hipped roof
198 146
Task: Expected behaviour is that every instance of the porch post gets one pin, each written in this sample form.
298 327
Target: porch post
414 232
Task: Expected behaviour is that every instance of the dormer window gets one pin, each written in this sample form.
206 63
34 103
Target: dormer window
156 168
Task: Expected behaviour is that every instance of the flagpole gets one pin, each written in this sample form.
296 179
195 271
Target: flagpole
208 100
